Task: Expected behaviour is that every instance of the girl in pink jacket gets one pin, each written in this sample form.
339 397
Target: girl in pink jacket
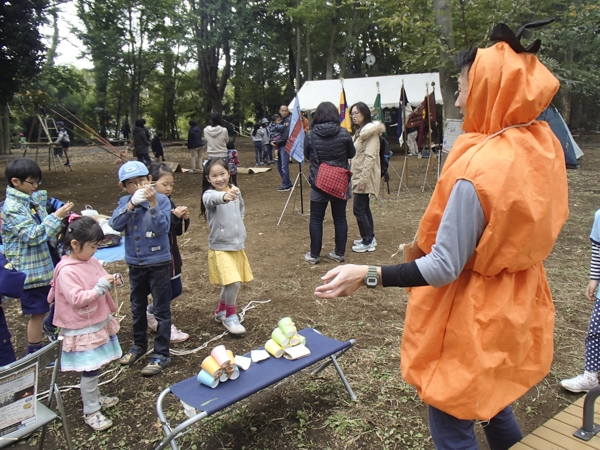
83 307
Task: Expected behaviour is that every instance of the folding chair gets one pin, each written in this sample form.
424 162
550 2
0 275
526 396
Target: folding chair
206 401
20 411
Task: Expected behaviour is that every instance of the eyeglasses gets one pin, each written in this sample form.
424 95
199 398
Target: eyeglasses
457 93
33 183
354 114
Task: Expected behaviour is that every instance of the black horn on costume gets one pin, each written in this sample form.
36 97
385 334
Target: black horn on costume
502 32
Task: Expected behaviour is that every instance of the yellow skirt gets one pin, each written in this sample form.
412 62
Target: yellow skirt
228 267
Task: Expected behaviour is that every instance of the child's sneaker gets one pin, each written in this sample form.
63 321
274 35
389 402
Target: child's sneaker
51 334
156 365
178 335
220 316
581 383
152 323
131 356
97 421
233 325
107 402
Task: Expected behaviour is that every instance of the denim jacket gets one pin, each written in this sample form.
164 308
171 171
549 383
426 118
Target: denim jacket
146 230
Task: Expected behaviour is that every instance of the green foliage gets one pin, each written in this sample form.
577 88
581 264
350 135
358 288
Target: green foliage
21 49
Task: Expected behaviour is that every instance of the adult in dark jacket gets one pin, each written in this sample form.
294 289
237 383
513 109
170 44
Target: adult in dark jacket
194 144
157 147
141 141
327 142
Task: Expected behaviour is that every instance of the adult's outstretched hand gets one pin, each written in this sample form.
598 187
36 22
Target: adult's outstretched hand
342 281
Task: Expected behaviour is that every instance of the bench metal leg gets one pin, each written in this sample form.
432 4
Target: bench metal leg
171 434
333 360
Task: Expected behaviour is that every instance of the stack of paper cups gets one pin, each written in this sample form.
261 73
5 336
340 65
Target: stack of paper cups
207 379
274 348
211 365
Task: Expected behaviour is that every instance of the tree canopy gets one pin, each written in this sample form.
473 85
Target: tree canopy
172 61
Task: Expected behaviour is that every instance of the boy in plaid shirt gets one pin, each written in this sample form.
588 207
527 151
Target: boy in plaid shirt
26 230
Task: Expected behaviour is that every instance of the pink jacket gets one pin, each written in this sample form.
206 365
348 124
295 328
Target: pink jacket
77 303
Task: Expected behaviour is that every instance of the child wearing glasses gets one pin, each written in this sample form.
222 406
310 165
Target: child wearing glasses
27 232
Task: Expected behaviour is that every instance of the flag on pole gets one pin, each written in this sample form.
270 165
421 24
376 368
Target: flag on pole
344 113
377 112
295 142
401 110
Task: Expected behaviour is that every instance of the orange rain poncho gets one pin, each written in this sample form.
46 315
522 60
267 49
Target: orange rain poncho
474 346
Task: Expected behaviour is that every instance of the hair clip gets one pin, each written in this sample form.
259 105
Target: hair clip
70 230
503 33
73 217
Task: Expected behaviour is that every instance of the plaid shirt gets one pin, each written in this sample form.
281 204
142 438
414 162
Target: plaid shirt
26 239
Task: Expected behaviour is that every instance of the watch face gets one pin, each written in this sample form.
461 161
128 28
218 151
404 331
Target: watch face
371 281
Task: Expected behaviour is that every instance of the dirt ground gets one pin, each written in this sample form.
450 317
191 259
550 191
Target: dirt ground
307 412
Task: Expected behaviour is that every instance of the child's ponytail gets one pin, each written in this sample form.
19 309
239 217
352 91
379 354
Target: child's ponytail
82 229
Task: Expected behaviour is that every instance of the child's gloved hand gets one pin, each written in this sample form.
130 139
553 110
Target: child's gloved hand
104 284
139 196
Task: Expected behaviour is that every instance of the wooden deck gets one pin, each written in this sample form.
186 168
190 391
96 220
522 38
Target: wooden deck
557 433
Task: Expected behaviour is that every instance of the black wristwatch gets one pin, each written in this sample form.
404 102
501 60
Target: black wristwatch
372 278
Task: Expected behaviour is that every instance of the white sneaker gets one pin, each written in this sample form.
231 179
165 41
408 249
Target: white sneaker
107 402
233 325
361 248
152 323
581 383
359 241
178 335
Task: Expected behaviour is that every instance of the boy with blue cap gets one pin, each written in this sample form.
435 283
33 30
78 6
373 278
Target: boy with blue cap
145 217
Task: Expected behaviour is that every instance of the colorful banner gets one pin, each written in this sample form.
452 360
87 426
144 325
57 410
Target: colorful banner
295 142
344 112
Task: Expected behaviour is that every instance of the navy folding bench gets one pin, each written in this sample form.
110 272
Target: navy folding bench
260 375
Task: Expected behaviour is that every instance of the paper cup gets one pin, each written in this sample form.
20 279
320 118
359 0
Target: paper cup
220 355
211 365
231 357
223 378
294 340
302 339
288 330
274 348
207 379
285 321
278 336
234 375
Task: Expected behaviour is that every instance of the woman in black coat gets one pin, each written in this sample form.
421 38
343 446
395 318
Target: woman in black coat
328 142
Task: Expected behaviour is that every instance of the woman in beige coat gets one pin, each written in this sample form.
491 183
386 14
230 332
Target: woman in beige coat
366 173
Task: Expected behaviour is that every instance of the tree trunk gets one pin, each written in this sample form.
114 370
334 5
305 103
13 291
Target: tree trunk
51 53
448 85
308 61
5 130
298 58
566 90
348 40
335 18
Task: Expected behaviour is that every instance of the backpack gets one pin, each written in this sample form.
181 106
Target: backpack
384 157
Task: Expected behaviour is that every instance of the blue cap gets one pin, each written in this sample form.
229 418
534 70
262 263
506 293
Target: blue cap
59 123
264 120
132 169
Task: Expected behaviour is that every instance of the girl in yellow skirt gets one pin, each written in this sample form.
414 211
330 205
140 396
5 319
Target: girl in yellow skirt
223 207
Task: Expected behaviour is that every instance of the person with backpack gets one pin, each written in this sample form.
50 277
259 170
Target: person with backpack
366 173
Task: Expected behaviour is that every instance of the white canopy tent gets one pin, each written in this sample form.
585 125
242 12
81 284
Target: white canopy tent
365 90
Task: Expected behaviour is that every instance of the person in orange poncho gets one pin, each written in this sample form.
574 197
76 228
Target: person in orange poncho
480 317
